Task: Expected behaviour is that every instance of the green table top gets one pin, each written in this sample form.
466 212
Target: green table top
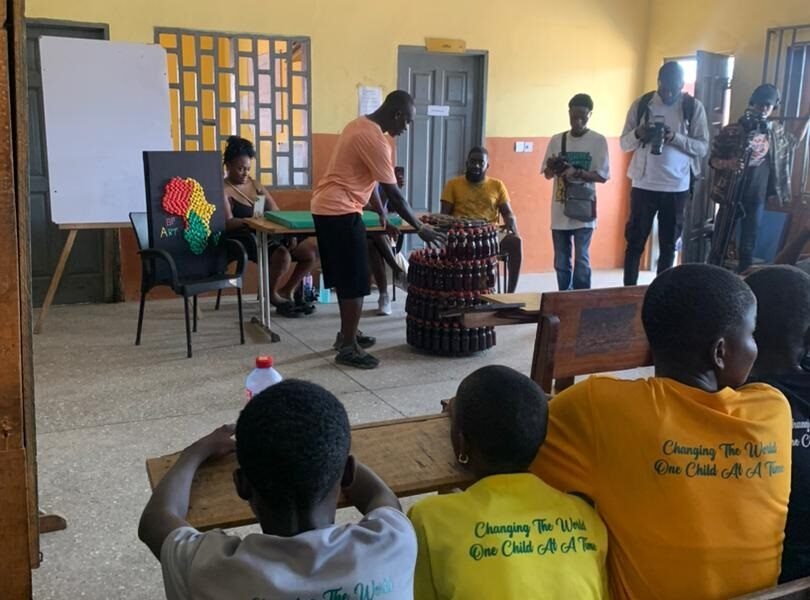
302 219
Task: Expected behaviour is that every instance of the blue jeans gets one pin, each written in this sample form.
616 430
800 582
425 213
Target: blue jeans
580 277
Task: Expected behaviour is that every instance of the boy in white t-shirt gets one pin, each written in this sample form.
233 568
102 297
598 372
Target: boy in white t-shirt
578 157
292 446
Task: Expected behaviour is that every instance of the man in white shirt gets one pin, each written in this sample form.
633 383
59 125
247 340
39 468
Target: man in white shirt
292 446
668 135
584 162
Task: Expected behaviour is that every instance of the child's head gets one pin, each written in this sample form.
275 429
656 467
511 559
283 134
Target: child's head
783 316
699 320
292 445
498 421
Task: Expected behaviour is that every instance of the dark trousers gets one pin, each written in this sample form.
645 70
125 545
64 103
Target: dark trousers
644 206
753 205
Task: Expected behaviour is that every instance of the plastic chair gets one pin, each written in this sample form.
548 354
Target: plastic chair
182 285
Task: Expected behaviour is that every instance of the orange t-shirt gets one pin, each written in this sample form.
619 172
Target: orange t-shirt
362 157
693 486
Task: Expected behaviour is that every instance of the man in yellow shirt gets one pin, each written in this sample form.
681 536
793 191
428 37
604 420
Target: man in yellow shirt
477 196
689 469
509 535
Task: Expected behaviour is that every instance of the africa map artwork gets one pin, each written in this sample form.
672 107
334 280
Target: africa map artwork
185 198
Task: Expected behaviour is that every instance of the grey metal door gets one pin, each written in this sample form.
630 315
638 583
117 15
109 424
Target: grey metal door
88 276
713 89
435 147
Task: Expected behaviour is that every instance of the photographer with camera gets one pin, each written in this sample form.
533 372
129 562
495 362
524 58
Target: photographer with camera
667 132
752 159
577 159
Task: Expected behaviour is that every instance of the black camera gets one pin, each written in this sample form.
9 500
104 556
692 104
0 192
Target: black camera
655 133
558 164
753 122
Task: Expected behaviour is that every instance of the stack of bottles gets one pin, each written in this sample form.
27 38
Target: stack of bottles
447 281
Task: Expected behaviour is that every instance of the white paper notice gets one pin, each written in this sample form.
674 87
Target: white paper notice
369 99
437 110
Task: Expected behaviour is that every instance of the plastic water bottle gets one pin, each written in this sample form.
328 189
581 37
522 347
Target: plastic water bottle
262 377
309 293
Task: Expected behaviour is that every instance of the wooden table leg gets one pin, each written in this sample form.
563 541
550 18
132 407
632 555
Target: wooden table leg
57 276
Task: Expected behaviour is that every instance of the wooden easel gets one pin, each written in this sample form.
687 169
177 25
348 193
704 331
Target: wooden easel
73 230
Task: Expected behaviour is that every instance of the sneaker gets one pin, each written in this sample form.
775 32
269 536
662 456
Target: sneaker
364 341
353 356
384 305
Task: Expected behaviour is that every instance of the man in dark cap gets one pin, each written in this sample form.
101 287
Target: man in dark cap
667 133
759 151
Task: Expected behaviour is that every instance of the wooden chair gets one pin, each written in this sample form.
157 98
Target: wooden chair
588 331
795 590
158 267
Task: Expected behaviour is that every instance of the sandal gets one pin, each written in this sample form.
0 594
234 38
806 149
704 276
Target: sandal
306 307
352 356
364 341
289 310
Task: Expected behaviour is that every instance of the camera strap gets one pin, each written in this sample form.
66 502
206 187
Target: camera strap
562 149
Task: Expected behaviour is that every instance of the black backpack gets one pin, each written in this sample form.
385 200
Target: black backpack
688 108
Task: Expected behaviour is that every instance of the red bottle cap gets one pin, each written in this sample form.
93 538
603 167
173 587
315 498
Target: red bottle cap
264 362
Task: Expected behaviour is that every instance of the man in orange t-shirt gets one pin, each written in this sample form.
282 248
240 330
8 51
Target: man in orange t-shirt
361 158
690 469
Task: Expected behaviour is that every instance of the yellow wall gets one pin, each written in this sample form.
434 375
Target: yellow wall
541 52
735 27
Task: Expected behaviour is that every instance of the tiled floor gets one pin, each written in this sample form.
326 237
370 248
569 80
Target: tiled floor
104 406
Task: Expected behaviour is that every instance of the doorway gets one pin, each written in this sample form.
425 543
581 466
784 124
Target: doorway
91 271
449 91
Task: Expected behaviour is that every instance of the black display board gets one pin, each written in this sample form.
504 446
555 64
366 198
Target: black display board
191 226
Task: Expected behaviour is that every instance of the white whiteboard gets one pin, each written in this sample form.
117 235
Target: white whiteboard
105 103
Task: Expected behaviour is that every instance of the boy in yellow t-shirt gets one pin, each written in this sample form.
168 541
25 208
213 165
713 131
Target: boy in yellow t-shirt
476 196
689 469
509 535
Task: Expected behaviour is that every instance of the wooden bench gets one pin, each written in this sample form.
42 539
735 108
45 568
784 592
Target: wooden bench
413 456
795 590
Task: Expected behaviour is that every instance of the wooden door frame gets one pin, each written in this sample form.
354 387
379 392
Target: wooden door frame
482 61
19 527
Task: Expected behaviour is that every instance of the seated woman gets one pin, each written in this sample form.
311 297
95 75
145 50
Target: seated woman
241 194
509 535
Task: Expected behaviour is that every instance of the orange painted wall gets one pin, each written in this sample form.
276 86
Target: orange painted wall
530 193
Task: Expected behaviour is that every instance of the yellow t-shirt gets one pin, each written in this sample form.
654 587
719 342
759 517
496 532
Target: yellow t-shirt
508 536
693 486
476 200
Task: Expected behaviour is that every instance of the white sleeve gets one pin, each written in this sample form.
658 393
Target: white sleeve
629 141
601 158
397 523
176 556
552 149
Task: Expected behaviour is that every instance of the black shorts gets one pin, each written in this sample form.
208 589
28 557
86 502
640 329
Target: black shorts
248 240
344 254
